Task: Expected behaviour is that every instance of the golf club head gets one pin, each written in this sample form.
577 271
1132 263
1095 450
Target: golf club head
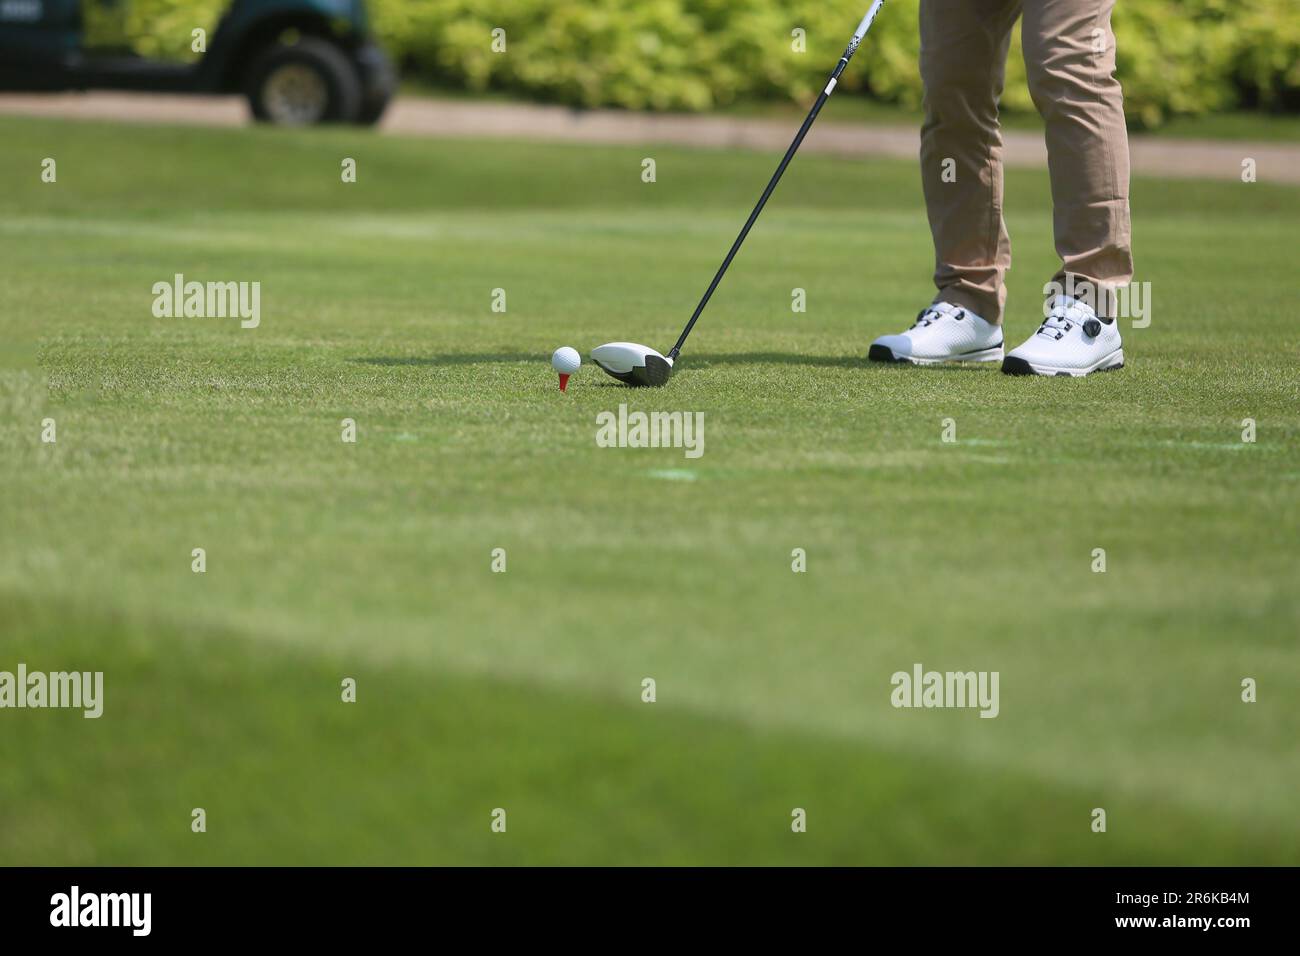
632 364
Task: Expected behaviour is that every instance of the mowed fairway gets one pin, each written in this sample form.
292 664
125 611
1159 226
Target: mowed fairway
522 690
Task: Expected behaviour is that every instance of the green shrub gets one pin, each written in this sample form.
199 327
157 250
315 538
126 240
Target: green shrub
1266 58
160 29
1175 56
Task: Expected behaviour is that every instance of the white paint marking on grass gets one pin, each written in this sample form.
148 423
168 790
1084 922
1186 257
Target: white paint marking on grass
118 228
1208 445
672 474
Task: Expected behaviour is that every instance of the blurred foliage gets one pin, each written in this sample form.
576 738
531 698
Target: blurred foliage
160 29
1176 57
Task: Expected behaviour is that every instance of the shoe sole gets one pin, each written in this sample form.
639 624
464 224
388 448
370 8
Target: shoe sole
1015 365
883 353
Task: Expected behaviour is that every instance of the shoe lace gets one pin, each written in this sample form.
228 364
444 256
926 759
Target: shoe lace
1055 325
1063 317
929 315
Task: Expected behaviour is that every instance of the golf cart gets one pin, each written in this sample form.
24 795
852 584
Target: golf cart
297 61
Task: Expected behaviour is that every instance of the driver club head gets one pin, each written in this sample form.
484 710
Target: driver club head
632 364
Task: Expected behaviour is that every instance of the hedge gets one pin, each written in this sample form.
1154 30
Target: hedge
1176 57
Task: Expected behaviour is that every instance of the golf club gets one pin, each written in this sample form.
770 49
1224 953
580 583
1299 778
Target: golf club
641 365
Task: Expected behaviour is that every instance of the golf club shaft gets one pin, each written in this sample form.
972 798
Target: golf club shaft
785 161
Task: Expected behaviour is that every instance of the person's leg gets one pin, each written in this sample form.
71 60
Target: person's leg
963 64
1070 58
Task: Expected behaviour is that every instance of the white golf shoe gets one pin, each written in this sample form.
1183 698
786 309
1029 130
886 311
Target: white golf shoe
943 332
1071 341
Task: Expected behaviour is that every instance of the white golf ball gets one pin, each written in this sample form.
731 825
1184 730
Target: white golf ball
566 361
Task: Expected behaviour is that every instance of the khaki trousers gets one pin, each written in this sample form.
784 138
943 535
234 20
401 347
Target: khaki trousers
1070 57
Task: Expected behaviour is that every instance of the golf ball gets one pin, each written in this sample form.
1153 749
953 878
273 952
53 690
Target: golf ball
566 361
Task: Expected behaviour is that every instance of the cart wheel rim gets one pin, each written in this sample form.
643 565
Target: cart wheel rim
295 95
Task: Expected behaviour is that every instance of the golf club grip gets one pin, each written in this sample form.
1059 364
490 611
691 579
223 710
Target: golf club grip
862 29
858 34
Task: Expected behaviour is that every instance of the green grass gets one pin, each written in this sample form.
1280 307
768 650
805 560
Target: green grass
522 690
1252 125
